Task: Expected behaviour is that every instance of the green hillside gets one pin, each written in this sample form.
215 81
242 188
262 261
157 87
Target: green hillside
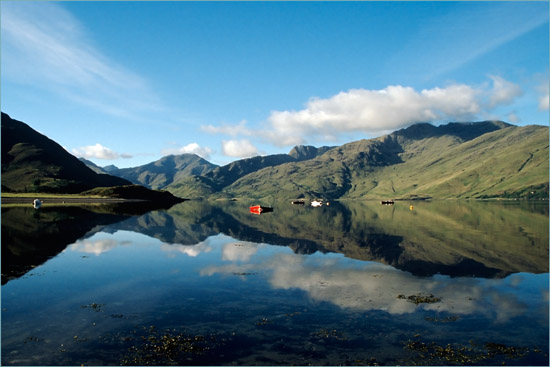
165 171
489 159
31 162
215 181
474 160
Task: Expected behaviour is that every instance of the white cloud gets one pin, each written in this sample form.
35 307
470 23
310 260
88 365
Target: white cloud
376 286
513 118
239 148
230 130
503 92
189 250
544 99
544 103
95 247
192 148
388 109
98 151
45 46
240 251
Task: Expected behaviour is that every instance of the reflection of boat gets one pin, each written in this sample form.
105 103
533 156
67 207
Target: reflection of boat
317 203
386 202
259 209
37 203
298 202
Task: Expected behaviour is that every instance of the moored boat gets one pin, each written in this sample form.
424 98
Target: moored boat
387 202
317 203
259 209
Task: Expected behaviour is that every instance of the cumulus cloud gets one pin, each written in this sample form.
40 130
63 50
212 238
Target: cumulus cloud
189 250
376 286
96 247
240 251
98 151
394 107
239 148
503 92
374 112
192 148
513 118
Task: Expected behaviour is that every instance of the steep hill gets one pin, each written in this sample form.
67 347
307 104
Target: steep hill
31 162
219 178
165 171
305 152
473 160
94 167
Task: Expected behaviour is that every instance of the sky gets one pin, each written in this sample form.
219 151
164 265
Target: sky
127 83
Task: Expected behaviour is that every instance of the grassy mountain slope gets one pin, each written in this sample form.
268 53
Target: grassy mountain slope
165 171
475 160
31 162
305 152
496 164
214 182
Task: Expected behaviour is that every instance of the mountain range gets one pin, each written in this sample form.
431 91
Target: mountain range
458 160
487 159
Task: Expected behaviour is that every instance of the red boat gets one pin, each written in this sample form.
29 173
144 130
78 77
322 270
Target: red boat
258 209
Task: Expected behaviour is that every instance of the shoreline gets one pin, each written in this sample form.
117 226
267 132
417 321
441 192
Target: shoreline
65 200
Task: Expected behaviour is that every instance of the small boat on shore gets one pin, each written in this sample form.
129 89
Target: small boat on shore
387 202
316 203
37 203
259 209
298 202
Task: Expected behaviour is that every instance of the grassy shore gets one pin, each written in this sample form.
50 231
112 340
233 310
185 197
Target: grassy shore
24 199
40 195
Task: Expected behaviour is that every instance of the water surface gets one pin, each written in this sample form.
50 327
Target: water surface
212 284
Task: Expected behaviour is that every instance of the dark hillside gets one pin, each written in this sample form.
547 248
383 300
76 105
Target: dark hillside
31 162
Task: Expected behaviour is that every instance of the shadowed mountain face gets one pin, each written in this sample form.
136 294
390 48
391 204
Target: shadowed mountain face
34 163
456 239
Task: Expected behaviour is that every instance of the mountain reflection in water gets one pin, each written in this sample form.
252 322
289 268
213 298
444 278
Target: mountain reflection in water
350 283
453 238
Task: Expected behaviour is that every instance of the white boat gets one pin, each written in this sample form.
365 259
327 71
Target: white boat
37 203
316 203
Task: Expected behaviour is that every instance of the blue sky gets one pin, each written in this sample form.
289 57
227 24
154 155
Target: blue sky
126 83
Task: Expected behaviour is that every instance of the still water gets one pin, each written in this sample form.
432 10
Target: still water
202 283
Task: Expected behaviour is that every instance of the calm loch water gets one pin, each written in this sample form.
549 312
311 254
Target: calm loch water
446 283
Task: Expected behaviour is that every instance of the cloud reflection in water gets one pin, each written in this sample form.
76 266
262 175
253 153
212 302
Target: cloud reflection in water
373 286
